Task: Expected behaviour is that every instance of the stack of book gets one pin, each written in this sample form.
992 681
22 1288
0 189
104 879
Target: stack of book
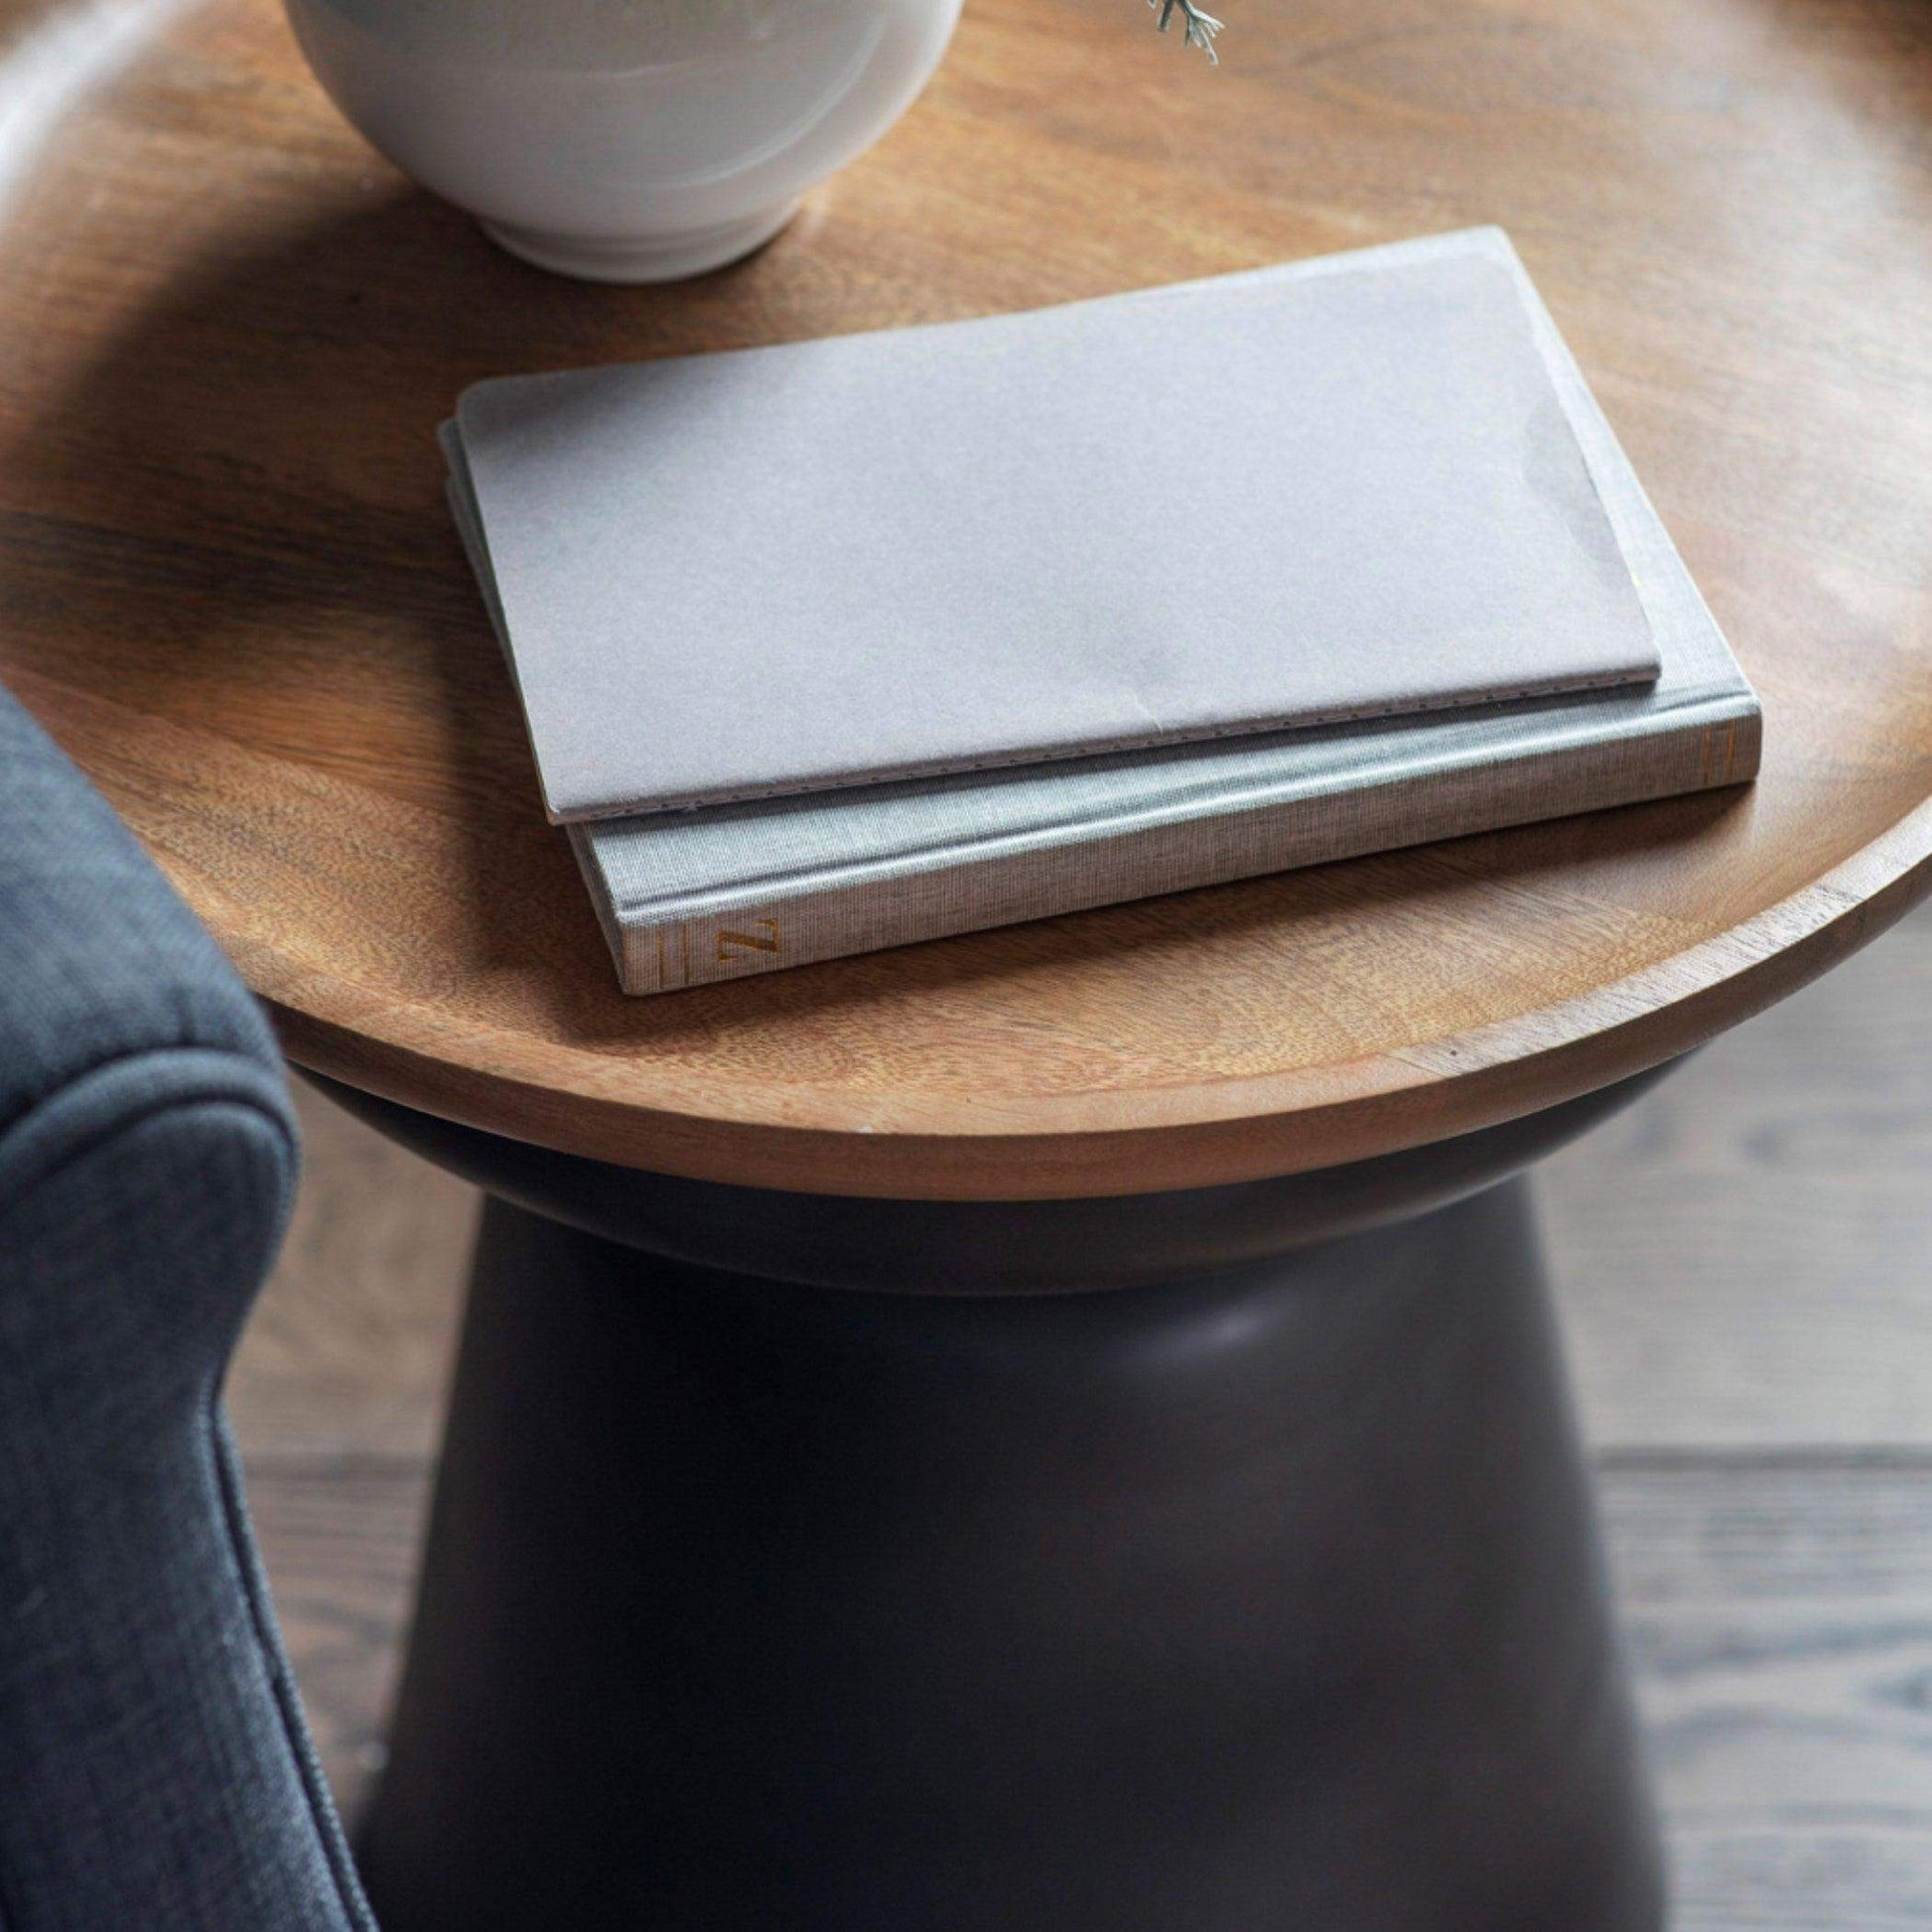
847 643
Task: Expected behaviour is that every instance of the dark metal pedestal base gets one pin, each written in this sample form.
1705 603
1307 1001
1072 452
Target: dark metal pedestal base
1264 1601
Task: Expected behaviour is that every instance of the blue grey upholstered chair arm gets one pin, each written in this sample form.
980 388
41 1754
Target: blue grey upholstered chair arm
154 1773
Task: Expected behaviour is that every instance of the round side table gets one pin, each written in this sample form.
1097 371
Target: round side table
1060 1427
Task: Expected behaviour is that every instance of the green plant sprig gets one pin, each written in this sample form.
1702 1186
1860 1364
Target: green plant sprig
1200 26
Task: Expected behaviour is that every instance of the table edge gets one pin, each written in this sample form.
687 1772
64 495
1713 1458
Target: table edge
1206 1134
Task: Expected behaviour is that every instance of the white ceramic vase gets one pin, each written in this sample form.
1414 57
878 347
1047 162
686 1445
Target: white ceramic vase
623 140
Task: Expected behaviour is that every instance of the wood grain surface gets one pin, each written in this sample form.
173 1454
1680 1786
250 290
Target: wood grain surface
227 582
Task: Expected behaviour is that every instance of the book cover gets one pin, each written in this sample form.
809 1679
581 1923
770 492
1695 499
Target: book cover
687 897
1348 492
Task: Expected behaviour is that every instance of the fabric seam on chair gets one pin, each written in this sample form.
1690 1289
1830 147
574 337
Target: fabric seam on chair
242 1080
323 1818
232 1079
261 1053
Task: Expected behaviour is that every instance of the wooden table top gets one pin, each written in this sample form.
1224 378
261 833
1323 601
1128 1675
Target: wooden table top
230 588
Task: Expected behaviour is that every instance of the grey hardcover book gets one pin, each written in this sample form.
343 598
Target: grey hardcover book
1348 491
686 898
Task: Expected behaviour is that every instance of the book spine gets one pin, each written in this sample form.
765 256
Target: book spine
935 897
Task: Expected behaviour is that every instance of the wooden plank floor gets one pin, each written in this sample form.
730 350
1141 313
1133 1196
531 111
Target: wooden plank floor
1746 1271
